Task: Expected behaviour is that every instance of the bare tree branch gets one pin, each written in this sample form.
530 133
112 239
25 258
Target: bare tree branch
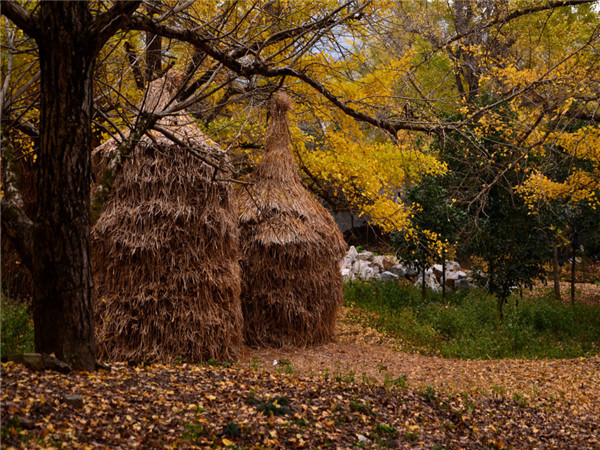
258 67
107 23
135 65
20 17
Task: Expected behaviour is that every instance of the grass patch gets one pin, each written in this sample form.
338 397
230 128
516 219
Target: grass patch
17 327
467 325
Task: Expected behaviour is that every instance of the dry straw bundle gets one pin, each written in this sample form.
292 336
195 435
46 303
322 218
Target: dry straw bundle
291 249
165 249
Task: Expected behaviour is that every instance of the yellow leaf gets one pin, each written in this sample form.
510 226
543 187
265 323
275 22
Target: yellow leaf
227 442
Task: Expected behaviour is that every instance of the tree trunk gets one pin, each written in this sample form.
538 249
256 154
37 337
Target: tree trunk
62 305
556 273
501 301
444 275
423 291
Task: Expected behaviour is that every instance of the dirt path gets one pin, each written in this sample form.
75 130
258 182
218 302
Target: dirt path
365 354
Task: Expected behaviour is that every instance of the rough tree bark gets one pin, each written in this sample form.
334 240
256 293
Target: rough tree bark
56 242
61 269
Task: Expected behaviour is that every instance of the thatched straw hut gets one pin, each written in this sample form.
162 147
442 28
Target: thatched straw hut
165 249
291 249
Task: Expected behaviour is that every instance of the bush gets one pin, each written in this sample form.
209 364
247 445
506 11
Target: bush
467 325
17 327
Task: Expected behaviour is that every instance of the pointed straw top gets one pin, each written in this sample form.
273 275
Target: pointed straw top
278 163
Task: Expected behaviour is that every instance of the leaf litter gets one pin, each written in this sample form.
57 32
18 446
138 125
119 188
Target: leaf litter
361 391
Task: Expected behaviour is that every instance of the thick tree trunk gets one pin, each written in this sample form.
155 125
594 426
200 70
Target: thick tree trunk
62 307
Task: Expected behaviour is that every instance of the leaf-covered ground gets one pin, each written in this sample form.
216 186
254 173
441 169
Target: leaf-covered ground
360 391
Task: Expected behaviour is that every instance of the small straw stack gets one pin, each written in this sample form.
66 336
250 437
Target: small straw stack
291 249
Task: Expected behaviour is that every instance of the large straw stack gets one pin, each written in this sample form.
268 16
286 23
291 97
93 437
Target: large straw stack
165 250
291 249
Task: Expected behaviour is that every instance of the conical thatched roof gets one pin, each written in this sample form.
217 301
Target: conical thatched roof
165 250
291 249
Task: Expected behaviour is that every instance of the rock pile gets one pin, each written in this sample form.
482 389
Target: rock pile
368 266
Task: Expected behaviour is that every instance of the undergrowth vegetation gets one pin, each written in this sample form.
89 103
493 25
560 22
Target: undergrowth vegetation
17 327
467 324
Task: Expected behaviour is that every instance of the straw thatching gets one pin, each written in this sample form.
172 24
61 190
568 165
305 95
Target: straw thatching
165 249
291 249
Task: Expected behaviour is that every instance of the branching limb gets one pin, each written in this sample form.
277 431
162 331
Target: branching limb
20 17
260 68
107 23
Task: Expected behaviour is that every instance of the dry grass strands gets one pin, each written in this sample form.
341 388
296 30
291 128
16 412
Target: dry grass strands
291 248
165 250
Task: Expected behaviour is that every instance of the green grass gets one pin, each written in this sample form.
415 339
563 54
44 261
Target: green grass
467 325
17 327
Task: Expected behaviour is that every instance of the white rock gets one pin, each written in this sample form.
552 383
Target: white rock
437 268
452 265
430 282
347 274
433 283
389 262
398 269
346 263
386 276
365 271
453 276
365 256
352 253
379 261
412 271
